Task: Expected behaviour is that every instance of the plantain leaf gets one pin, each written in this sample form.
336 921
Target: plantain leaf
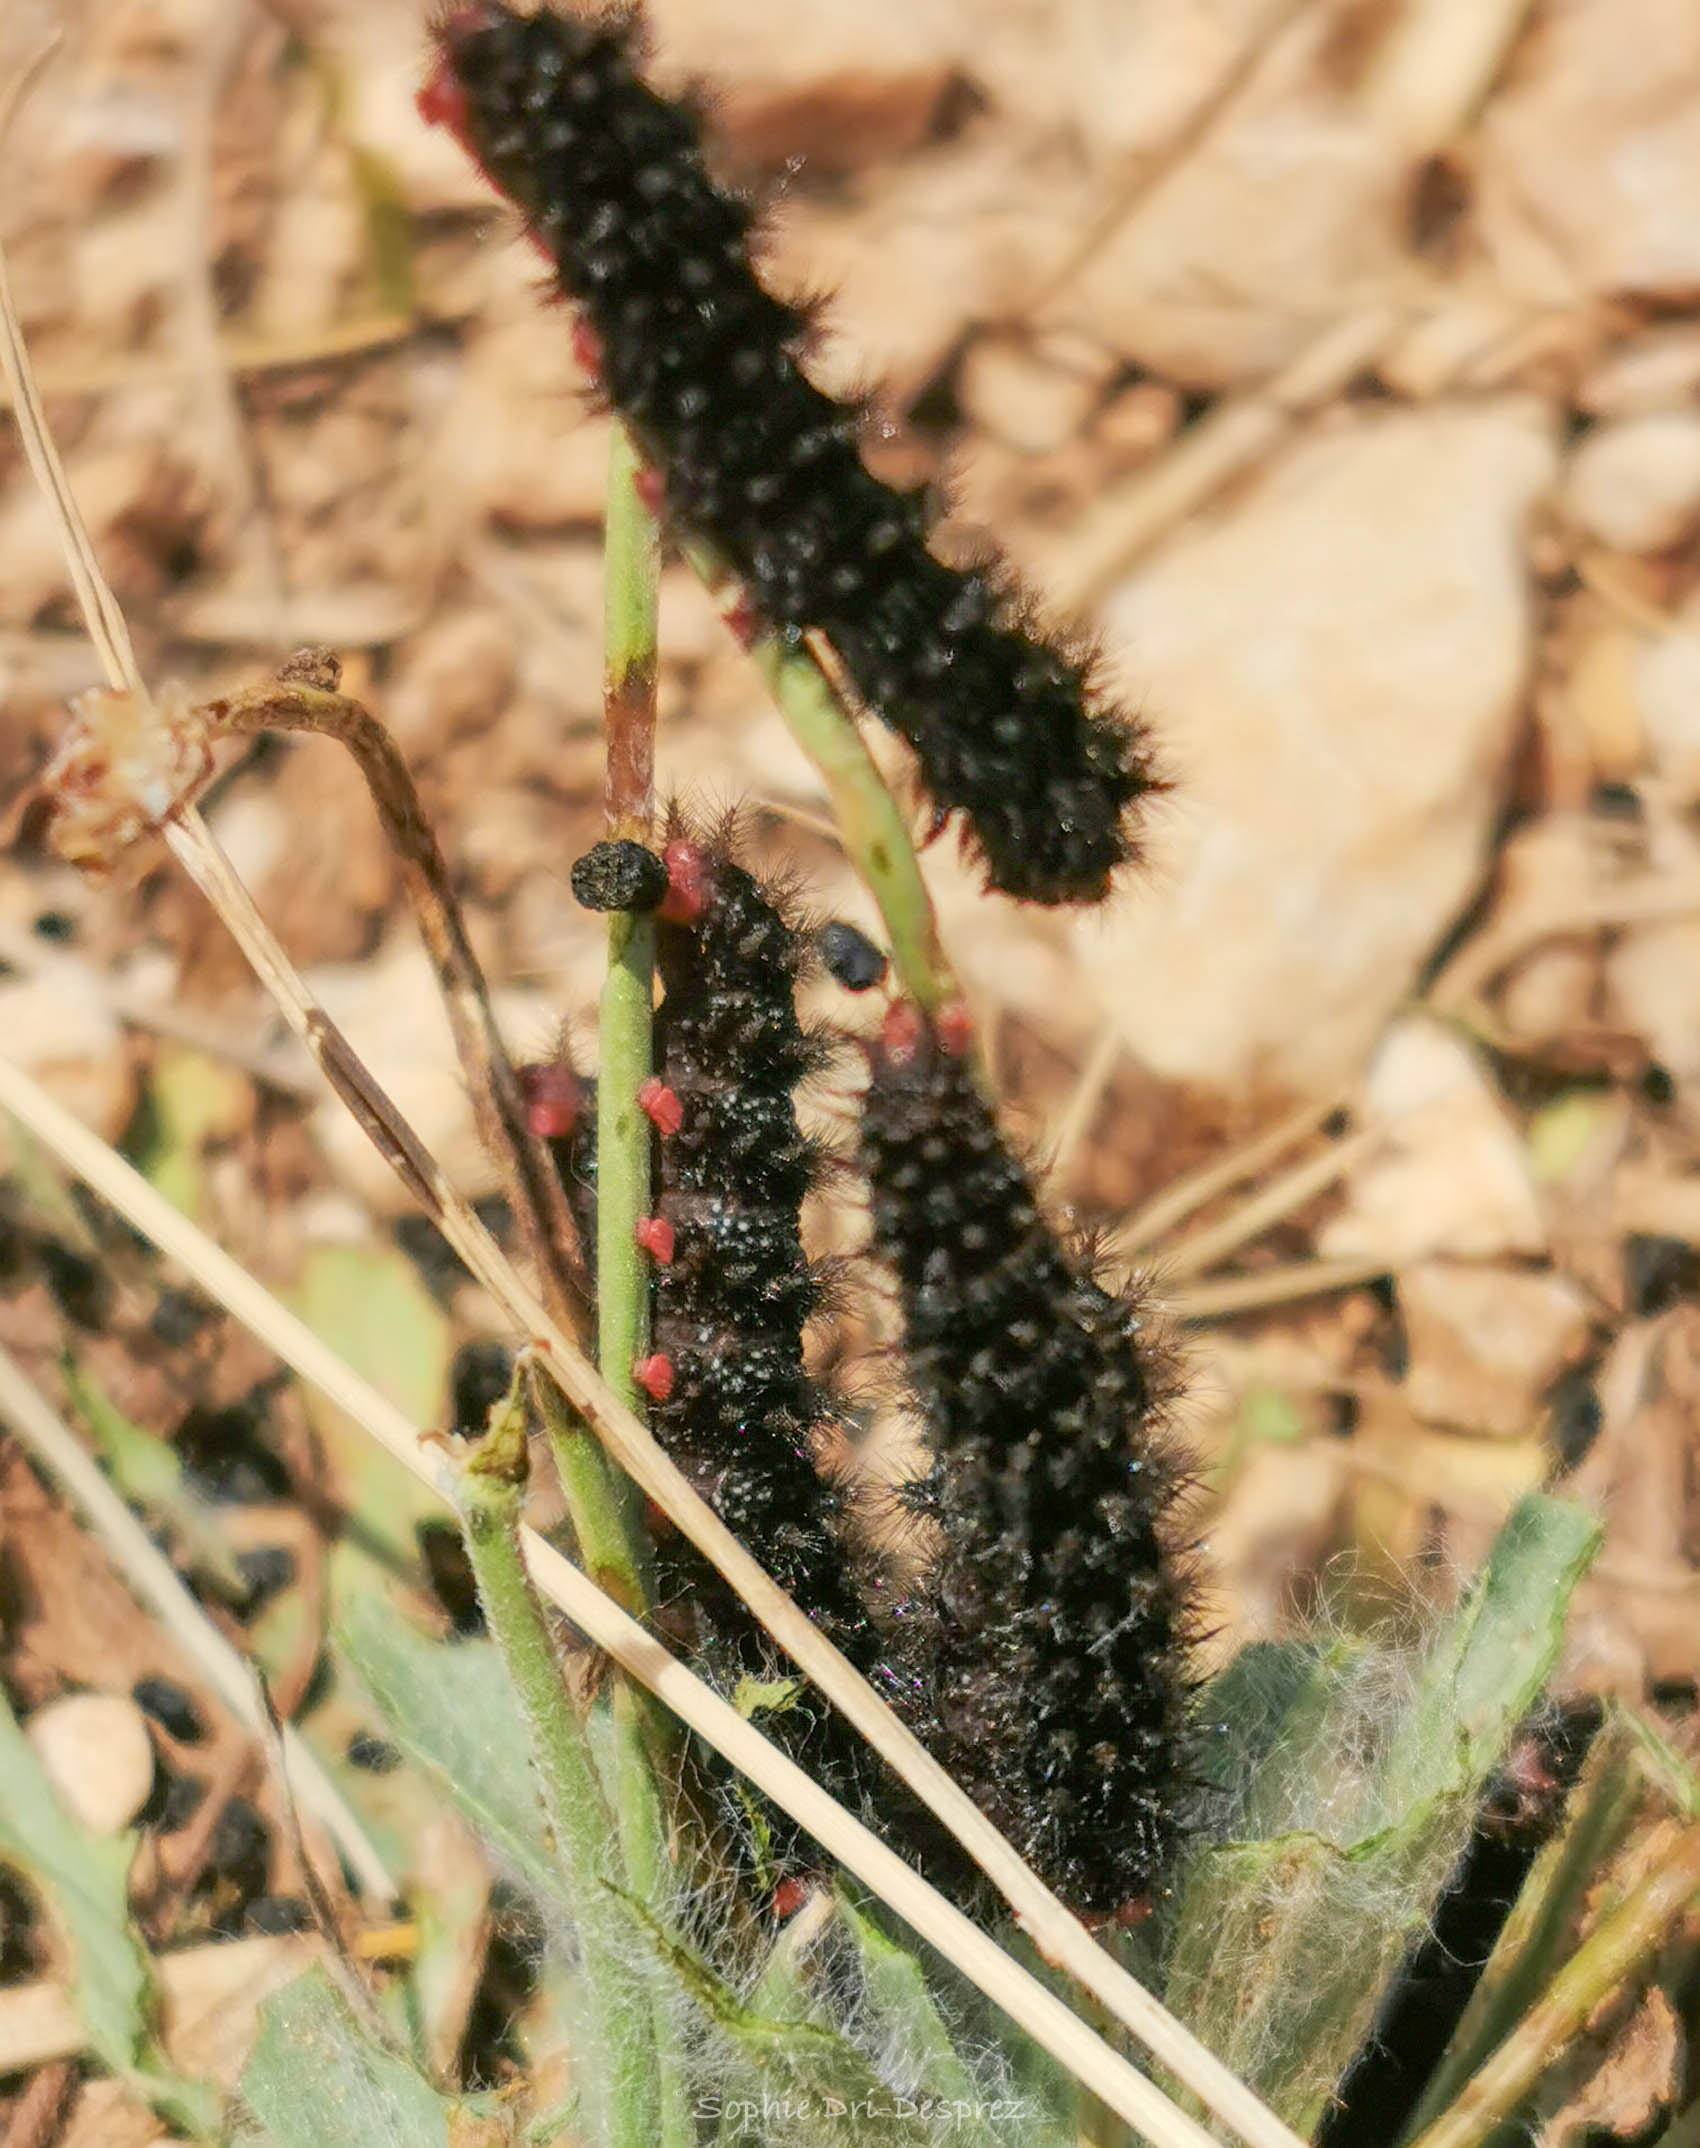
315 2079
450 1708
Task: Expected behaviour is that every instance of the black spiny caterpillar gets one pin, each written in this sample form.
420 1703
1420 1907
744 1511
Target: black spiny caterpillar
733 1401
701 361
1056 1659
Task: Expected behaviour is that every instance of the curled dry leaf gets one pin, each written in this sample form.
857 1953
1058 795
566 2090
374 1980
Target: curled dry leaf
126 764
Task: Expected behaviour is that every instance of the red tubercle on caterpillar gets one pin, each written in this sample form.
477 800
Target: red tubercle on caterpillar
902 1032
655 1235
554 1099
954 1028
650 486
654 1374
587 349
742 619
1127 1916
905 1030
660 1105
788 1897
688 869
440 99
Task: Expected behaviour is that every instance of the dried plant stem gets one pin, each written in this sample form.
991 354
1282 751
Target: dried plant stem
1149 172
1127 521
1272 1203
238 353
620 2053
1604 1962
294 702
155 1582
1274 1286
1165 1212
1028 2003
869 824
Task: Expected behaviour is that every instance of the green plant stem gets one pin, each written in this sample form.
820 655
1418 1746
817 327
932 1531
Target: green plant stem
639 1736
875 835
623 1145
632 567
588 1845
1605 1961
610 1551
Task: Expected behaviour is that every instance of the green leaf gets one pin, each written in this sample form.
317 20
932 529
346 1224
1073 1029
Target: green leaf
370 1306
315 2079
908 2018
1285 1941
192 1101
81 1879
791 2081
450 1708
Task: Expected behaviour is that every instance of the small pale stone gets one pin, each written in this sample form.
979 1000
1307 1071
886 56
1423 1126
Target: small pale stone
850 82
1601 690
1486 1341
1653 980
1635 486
59 1024
1020 398
1551 994
1453 1177
1587 159
1659 370
1139 421
96 1749
1667 693
1342 687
